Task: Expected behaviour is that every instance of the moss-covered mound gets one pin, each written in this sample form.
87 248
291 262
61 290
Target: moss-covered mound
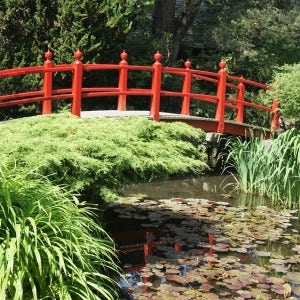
93 156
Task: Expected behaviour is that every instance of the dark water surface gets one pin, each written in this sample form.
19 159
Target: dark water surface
213 188
198 239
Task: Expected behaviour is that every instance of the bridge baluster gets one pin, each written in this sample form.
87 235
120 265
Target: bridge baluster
47 84
240 101
221 94
186 89
156 87
77 84
275 115
123 76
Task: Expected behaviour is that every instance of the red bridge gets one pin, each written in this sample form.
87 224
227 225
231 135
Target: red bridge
224 84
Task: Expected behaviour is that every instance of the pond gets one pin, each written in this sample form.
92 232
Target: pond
195 239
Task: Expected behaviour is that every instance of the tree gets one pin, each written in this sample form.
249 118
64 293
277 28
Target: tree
253 36
287 88
171 21
29 27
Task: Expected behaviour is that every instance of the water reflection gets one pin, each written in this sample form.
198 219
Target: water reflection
202 240
214 188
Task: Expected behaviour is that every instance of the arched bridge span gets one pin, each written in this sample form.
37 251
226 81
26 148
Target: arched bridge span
229 93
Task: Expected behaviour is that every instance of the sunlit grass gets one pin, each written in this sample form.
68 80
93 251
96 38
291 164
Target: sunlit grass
50 244
270 168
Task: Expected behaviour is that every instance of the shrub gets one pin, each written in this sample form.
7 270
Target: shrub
287 88
92 156
50 245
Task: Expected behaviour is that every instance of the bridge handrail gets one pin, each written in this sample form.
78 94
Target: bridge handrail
221 79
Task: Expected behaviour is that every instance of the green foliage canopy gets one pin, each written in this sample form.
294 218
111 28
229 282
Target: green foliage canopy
253 36
287 88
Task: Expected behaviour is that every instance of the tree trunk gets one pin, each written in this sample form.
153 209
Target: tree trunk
164 17
165 20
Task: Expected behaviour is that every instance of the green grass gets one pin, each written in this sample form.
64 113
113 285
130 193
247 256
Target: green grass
93 156
270 168
51 247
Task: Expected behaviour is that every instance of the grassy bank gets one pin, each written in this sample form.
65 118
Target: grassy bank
270 168
95 157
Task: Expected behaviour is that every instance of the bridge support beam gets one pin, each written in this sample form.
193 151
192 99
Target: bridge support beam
123 81
186 90
77 84
156 87
221 94
275 116
240 102
47 85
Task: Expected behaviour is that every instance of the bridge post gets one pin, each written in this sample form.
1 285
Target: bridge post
123 75
240 101
47 84
186 89
221 94
77 84
275 115
156 87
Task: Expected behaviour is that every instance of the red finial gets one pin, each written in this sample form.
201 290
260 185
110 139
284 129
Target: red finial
222 64
78 55
124 55
188 64
157 56
48 55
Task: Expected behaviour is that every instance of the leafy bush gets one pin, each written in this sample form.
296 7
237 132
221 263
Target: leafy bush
271 168
287 88
91 156
50 246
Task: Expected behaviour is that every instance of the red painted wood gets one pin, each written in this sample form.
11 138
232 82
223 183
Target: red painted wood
275 115
221 80
186 89
77 84
156 87
221 94
123 78
240 102
47 103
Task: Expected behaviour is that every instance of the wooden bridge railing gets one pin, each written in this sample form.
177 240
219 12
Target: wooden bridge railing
77 92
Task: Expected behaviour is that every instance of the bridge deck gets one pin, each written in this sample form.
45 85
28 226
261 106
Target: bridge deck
207 124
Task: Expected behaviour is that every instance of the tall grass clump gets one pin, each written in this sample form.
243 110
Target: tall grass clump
50 245
270 168
92 156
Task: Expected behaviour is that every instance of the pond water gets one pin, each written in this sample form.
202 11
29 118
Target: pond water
197 239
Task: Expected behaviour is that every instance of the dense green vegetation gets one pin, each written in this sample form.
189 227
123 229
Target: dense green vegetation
254 37
95 157
270 168
287 89
51 247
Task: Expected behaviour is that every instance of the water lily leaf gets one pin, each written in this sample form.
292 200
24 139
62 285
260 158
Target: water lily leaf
293 277
276 261
296 291
263 253
244 294
296 249
280 268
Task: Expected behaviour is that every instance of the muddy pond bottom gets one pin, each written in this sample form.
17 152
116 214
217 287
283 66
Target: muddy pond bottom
196 248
